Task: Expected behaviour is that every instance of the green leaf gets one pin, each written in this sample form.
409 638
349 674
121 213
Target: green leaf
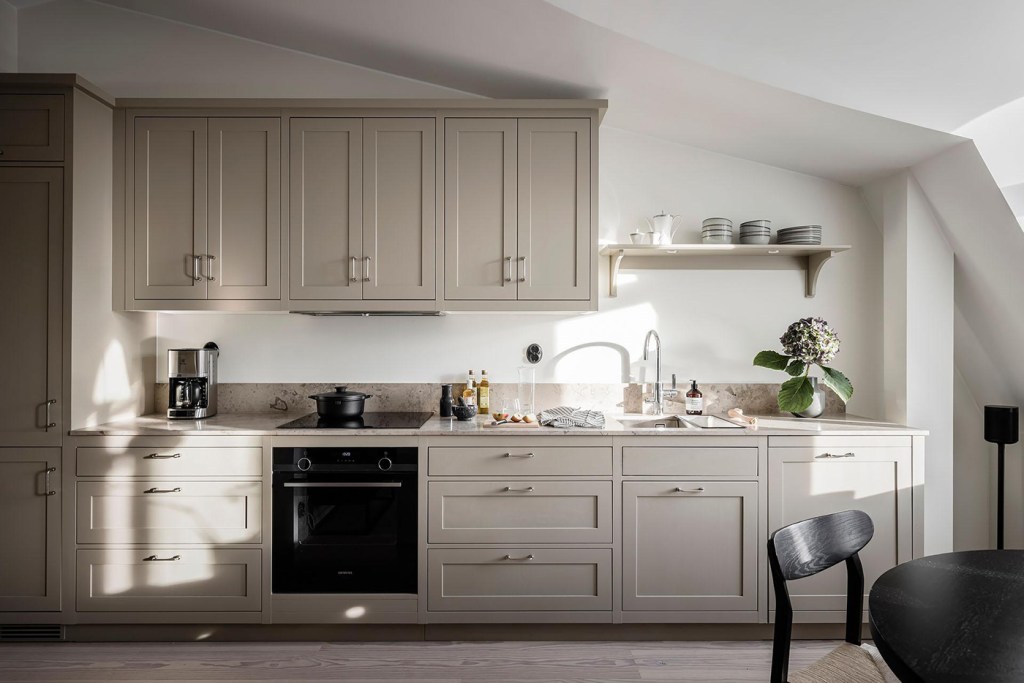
837 382
771 359
795 395
796 368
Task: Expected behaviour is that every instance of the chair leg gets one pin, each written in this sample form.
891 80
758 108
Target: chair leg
854 599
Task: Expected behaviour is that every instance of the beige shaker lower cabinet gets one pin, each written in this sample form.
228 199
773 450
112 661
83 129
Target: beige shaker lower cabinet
810 476
30 530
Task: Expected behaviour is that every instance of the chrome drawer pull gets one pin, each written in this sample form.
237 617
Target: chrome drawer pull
50 424
508 269
699 489
518 559
522 278
196 275
158 456
352 269
154 558
176 489
528 489
209 266
836 455
366 269
49 471
518 455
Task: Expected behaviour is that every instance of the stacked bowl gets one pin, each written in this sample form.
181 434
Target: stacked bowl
800 234
756 232
717 231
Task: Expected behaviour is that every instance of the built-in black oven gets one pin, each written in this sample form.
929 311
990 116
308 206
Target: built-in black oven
344 520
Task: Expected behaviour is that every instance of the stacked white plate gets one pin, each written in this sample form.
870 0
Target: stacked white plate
800 234
716 231
756 232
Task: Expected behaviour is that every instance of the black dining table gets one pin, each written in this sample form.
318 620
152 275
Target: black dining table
952 617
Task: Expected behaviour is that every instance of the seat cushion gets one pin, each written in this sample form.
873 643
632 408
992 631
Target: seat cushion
845 664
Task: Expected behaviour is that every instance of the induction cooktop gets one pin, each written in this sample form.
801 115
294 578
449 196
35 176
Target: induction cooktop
365 421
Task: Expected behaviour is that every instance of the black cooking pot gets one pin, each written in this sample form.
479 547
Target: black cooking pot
338 404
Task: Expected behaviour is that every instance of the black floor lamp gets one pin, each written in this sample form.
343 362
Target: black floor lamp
1001 426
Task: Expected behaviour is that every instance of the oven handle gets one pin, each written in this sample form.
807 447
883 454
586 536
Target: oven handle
344 485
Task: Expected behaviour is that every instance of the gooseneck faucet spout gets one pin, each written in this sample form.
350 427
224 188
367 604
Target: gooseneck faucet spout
658 398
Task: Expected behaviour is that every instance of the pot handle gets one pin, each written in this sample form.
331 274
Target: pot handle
341 389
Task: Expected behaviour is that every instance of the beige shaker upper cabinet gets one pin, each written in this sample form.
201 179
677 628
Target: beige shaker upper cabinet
30 529
31 233
554 260
242 259
169 215
31 127
480 209
398 208
326 209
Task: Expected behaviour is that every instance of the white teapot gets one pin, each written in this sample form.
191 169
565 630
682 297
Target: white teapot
663 229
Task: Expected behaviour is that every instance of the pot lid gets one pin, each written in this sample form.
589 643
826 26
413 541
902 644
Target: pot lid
342 394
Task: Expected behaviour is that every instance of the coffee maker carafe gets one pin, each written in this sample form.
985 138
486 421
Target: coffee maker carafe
192 382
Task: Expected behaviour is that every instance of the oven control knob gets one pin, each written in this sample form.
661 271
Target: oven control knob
384 464
304 464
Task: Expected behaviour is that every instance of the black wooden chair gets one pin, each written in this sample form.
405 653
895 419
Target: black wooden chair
803 549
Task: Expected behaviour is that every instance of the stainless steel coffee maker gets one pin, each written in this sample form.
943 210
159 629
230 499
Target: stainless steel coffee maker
192 380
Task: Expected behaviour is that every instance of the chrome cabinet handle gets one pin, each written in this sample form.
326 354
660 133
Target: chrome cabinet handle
154 558
699 489
176 489
836 455
518 455
49 471
352 269
196 275
508 269
210 258
522 278
50 424
528 489
518 559
366 269
159 456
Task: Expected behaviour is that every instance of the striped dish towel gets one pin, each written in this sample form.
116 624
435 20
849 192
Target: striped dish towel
564 416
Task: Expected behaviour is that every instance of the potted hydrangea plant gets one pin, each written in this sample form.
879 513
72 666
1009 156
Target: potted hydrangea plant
807 342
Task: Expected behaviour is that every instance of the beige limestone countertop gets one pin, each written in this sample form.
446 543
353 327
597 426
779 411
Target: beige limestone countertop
268 424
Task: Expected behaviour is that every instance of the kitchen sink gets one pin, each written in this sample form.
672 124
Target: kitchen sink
648 422
711 422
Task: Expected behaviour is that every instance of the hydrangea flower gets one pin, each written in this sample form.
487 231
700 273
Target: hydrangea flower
811 340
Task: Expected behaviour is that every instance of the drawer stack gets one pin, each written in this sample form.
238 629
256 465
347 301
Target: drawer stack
519 532
169 529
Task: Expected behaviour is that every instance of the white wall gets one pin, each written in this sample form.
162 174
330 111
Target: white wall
111 353
8 37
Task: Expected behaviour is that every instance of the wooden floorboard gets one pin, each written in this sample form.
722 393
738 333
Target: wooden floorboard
423 662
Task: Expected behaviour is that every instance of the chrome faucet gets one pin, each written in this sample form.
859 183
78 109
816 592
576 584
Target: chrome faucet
659 392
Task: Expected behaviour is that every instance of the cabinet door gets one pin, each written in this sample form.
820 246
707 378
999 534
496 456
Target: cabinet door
830 475
29 529
398 209
244 241
689 546
169 177
480 209
31 229
31 127
326 209
554 209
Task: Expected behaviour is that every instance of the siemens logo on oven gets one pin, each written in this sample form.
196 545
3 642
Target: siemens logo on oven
346 572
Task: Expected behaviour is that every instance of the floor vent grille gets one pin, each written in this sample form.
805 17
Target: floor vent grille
31 633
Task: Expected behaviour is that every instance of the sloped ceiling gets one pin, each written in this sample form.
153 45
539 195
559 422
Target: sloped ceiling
530 48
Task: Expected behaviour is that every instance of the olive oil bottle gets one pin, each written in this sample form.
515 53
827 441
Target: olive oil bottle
483 393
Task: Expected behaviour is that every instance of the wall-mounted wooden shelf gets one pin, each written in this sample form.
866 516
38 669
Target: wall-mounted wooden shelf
810 259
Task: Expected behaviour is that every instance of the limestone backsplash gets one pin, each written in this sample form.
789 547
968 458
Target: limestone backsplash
754 399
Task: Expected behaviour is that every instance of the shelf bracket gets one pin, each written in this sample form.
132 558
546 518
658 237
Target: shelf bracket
614 262
814 265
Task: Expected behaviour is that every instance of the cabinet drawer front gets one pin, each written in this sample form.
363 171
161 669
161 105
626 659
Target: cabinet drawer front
527 461
31 127
169 580
690 549
504 579
520 511
168 511
174 462
688 461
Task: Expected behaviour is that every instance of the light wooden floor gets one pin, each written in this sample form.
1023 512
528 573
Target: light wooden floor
422 662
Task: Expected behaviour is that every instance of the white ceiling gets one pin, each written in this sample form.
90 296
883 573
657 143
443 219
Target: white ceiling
531 48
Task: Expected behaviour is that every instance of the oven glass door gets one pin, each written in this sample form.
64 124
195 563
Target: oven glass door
351 536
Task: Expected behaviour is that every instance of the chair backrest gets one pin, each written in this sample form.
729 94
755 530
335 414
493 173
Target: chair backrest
804 549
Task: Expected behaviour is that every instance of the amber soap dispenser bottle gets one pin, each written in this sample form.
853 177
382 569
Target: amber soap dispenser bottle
694 400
